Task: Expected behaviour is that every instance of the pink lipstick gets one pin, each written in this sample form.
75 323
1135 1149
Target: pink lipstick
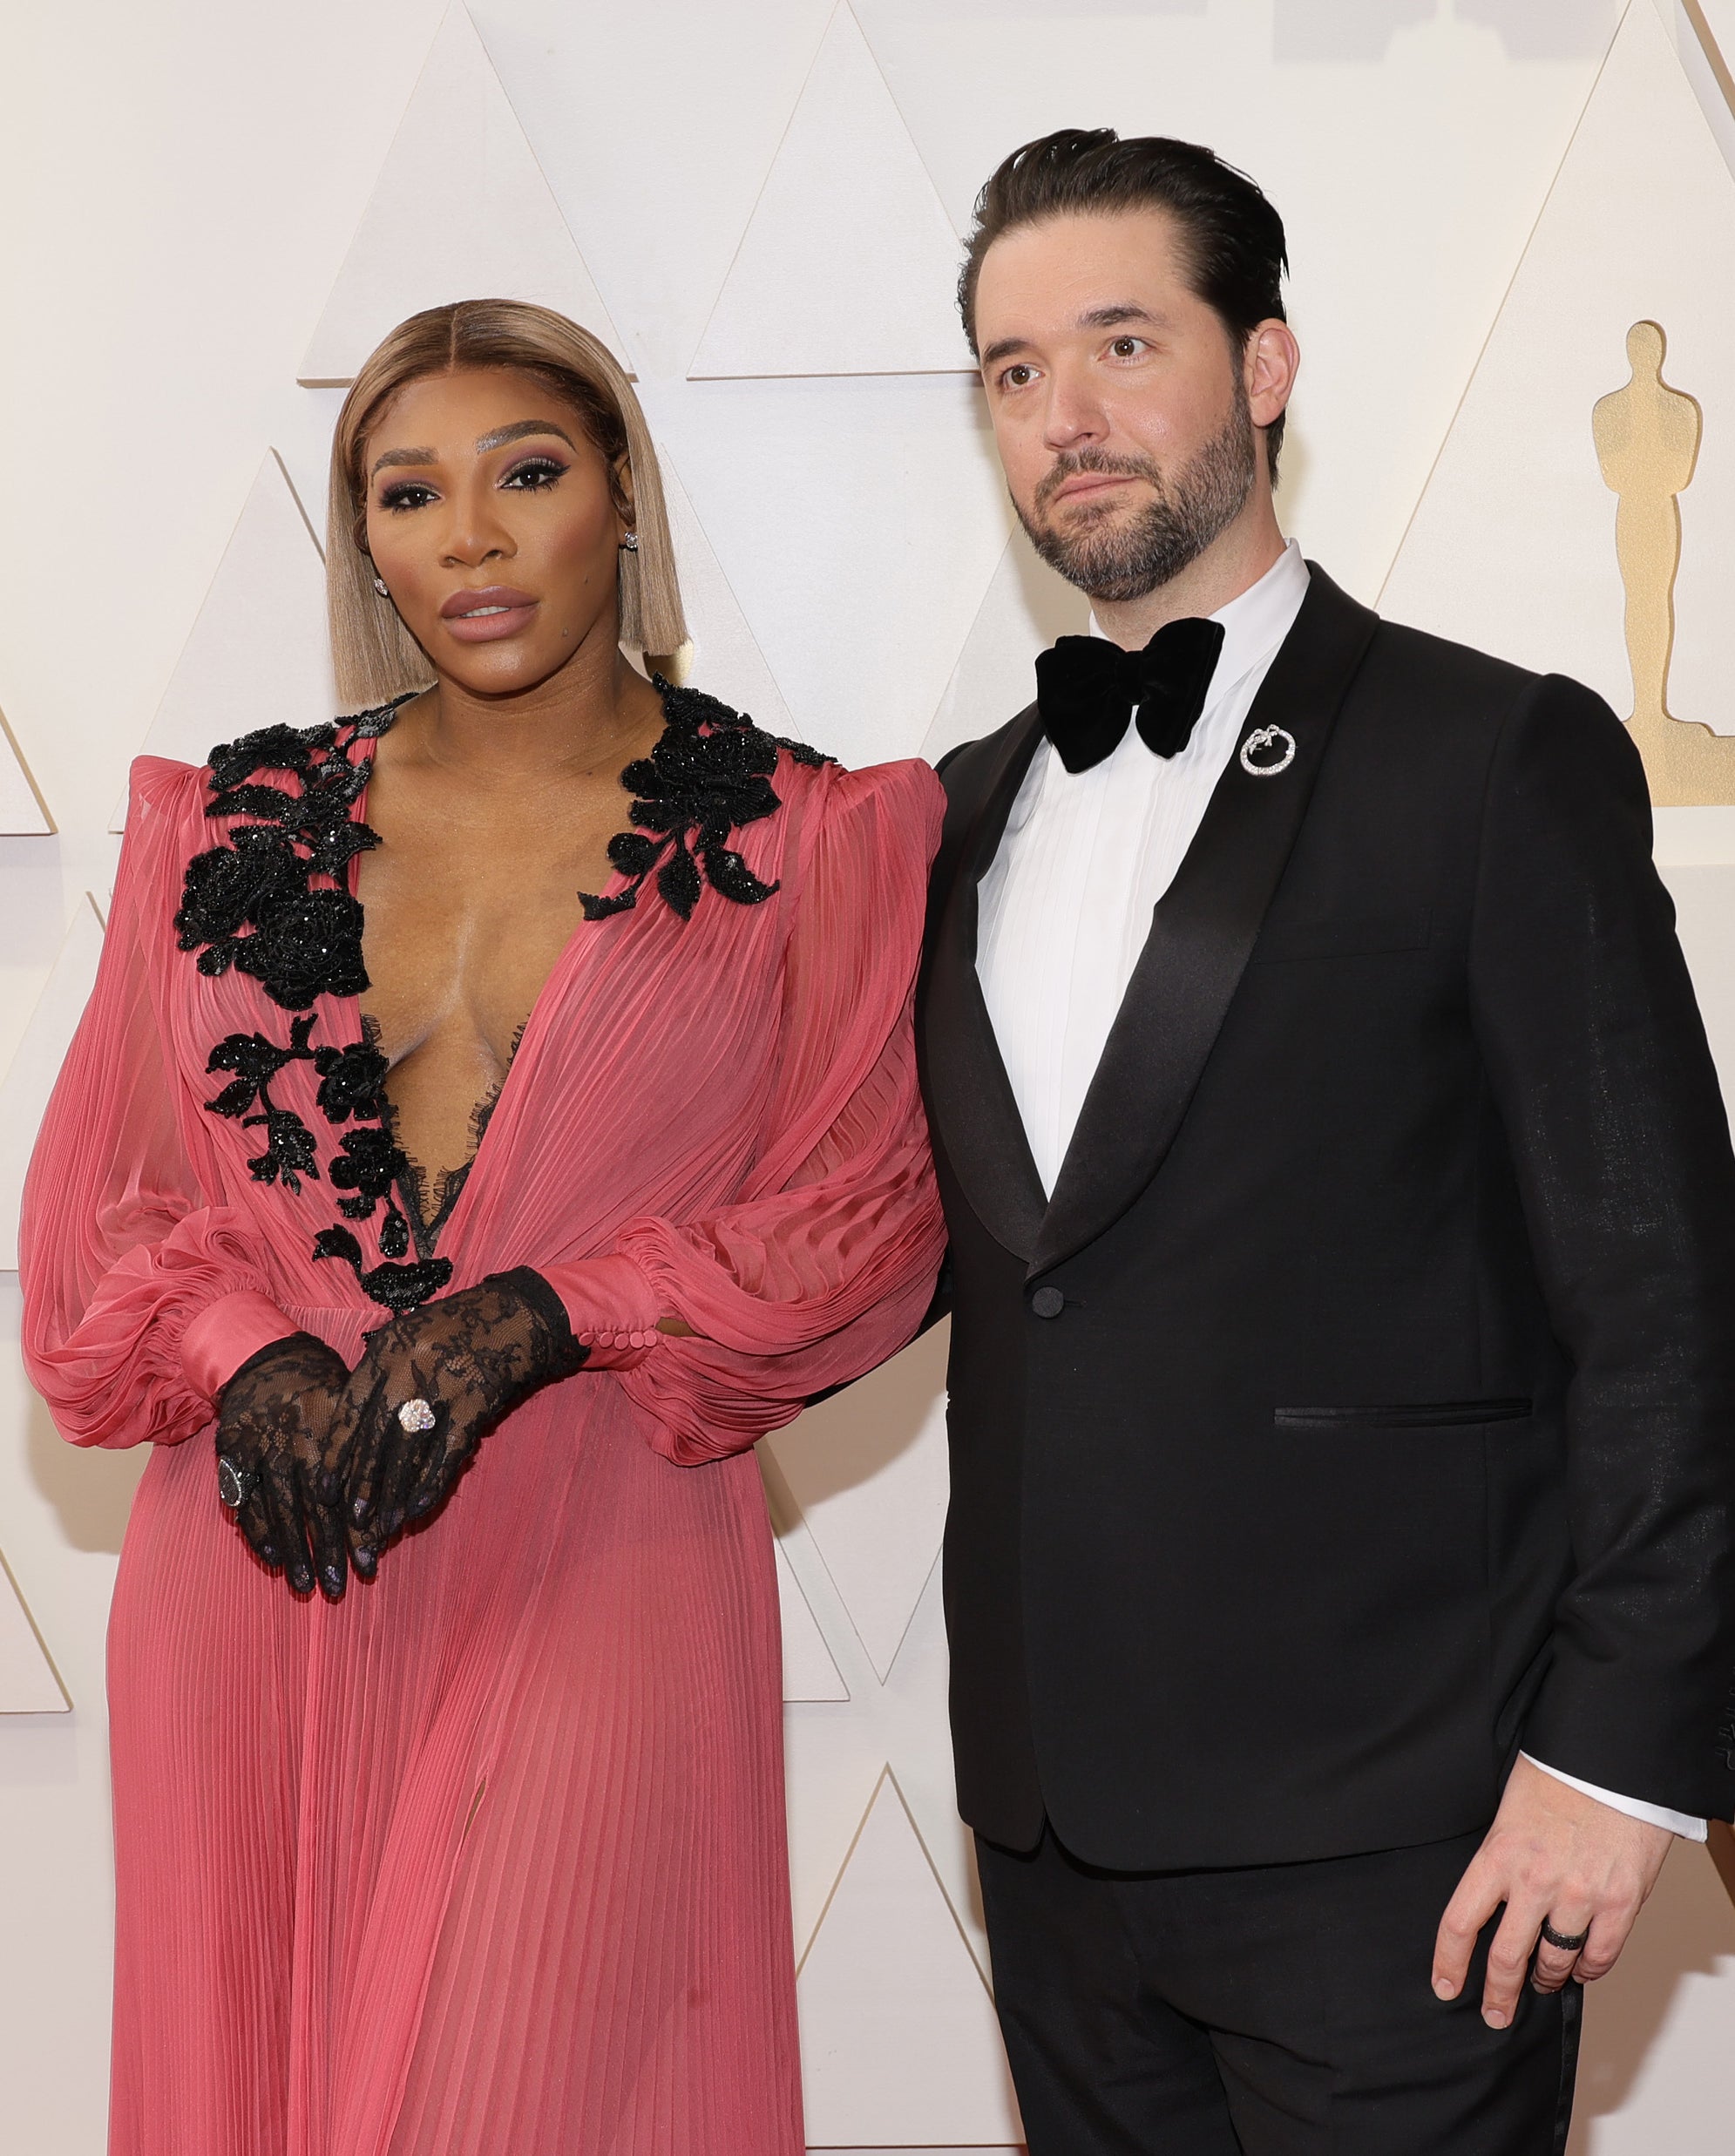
491 611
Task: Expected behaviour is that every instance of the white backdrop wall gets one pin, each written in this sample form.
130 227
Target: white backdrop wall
212 210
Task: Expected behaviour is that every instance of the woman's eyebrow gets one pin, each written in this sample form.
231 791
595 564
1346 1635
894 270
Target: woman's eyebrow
405 457
518 428
484 443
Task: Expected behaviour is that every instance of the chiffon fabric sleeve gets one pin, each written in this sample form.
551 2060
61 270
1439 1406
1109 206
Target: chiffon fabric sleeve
140 1297
826 1263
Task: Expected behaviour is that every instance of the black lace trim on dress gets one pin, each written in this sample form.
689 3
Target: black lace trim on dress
428 1215
273 901
708 775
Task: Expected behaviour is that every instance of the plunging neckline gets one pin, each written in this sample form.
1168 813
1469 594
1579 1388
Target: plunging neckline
278 899
414 1183
417 1182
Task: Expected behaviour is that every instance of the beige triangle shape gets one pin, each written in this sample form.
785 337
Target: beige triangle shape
24 813
1026 606
1705 42
900 2041
1512 547
36 1063
258 653
858 553
30 1684
868 1469
461 210
722 656
849 262
808 1670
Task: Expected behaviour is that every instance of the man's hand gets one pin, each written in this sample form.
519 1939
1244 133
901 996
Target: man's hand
1552 1854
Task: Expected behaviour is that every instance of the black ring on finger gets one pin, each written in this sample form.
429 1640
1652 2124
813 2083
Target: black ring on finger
1568 1941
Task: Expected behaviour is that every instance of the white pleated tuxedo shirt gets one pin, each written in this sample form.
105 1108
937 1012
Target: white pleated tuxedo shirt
1065 904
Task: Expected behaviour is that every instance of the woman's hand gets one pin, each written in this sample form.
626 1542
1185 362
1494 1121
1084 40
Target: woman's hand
429 1386
280 1433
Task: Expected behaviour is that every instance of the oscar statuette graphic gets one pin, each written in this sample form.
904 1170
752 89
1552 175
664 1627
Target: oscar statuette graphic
1647 436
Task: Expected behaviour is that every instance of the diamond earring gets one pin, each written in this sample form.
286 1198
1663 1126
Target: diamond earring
631 542
379 586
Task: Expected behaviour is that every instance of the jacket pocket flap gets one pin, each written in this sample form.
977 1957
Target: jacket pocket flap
1422 1414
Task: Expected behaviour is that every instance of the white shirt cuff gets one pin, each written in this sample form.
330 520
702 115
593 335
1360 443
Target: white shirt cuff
1680 1823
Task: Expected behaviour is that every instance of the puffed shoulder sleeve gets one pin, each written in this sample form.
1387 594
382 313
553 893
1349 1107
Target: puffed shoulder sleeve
825 1265
140 1298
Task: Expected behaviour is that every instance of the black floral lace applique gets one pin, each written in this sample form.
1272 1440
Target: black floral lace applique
288 1152
710 774
273 901
253 904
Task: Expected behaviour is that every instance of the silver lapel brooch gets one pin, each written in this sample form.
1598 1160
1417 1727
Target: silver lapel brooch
1268 742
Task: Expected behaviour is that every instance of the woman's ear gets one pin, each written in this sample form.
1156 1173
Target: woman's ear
621 485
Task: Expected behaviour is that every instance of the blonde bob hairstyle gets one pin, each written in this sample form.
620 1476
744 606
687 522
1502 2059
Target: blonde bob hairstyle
373 656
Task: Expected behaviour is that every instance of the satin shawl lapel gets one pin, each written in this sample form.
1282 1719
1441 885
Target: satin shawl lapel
1202 932
970 1097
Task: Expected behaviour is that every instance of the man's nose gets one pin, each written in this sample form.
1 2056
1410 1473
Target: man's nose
1074 418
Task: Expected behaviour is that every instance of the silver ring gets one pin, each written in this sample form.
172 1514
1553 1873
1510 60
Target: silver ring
415 1416
1568 1941
233 1482
1268 737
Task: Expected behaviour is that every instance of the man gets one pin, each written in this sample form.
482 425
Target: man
1343 1224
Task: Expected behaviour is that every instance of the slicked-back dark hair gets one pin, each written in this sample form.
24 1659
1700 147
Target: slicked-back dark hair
1232 238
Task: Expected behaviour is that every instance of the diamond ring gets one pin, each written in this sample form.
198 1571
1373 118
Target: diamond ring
415 1416
233 1482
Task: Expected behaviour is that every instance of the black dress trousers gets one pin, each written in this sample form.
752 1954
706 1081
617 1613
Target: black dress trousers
1274 2010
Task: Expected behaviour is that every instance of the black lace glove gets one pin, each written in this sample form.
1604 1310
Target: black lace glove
432 1383
280 1430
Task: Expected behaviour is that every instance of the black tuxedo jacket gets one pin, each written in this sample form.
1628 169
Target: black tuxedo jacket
1361 1408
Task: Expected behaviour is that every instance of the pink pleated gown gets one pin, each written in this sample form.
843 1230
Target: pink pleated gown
489 1859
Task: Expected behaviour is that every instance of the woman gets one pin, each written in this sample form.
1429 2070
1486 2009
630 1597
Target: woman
490 1225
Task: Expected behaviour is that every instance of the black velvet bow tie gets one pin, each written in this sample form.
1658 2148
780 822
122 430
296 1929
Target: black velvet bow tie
1086 689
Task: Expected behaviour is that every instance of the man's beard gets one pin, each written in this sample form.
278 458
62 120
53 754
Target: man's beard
1110 557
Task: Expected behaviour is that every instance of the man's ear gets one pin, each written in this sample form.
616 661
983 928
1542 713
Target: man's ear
1270 362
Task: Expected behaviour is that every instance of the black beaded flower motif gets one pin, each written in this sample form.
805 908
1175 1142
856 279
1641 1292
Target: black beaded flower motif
710 774
273 902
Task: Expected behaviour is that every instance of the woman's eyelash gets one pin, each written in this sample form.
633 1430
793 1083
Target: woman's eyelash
534 474
398 496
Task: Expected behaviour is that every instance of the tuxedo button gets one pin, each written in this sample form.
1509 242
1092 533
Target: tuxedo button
1047 1302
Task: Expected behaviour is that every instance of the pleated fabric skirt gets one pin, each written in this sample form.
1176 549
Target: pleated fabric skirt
488 1860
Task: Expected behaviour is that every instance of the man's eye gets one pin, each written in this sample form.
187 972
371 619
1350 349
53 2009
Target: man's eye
405 494
1124 347
1017 378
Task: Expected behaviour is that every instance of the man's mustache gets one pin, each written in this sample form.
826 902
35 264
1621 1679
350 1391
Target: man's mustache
1068 465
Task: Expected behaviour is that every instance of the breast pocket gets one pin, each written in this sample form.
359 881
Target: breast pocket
1344 936
1421 1414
